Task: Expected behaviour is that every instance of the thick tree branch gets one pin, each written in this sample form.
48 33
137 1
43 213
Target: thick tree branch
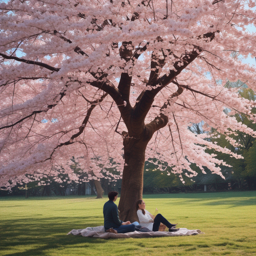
109 88
61 95
217 1
105 86
158 123
82 127
162 120
204 94
77 49
101 82
20 79
124 86
147 97
158 60
126 52
86 119
41 64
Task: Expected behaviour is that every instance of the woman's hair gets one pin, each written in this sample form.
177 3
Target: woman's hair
137 206
112 194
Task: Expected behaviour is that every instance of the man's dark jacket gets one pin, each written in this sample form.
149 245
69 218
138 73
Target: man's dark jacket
111 218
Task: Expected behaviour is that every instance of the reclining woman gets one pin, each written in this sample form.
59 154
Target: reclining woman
147 220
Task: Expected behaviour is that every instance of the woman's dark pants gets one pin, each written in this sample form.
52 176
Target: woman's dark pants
161 219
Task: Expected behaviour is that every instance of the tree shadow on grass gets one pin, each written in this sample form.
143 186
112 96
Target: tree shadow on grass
232 202
231 199
224 201
202 195
36 236
47 198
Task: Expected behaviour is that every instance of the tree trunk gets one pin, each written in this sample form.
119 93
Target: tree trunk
99 189
132 182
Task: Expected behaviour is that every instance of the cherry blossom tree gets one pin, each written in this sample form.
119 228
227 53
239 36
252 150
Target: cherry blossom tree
117 82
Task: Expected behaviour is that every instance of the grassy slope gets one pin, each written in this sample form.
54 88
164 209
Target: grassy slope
38 226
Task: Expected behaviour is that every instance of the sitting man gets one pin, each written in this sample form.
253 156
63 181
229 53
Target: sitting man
112 223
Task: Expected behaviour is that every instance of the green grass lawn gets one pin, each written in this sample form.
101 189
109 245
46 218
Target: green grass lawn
38 226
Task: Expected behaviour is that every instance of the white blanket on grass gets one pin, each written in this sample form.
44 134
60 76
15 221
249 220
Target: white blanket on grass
99 232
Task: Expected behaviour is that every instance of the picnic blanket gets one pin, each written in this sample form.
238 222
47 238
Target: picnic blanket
99 232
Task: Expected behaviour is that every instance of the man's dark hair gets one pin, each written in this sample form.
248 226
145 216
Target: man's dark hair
112 194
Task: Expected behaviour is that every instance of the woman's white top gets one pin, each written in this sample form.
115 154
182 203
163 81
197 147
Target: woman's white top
145 220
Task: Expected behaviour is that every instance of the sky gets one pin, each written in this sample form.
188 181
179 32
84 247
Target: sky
251 59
